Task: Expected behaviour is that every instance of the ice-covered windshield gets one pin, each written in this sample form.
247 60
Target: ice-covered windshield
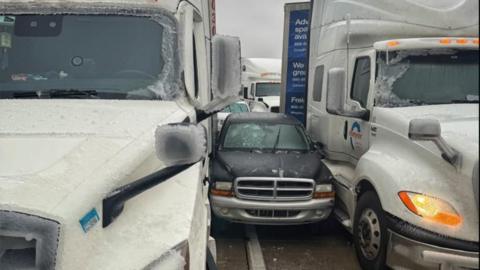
267 89
410 78
236 108
265 136
98 56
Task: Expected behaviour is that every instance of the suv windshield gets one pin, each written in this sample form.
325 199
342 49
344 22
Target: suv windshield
410 78
100 56
265 136
236 108
267 89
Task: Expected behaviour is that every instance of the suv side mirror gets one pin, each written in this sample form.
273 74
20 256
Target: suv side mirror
336 91
430 130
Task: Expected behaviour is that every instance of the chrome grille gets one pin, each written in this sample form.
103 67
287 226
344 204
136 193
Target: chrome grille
274 189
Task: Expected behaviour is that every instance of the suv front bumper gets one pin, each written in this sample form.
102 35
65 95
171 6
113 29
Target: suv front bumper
271 213
428 250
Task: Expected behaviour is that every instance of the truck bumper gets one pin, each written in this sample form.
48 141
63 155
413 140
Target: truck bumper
428 250
271 213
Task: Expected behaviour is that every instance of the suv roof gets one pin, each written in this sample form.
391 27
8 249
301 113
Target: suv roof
277 118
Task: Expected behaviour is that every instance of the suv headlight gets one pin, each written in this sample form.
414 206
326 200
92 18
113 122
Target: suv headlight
221 188
178 258
430 208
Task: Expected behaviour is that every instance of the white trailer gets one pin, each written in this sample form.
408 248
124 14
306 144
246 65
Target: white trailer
261 79
393 101
95 170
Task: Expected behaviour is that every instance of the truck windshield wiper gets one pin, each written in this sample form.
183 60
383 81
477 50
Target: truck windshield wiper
277 140
72 93
460 101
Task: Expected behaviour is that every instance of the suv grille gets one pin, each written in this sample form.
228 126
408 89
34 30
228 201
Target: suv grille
274 189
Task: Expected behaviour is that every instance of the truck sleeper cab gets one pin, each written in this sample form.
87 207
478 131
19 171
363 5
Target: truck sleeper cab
91 95
393 97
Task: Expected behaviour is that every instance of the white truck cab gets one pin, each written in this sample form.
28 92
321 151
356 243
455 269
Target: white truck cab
393 101
261 78
104 132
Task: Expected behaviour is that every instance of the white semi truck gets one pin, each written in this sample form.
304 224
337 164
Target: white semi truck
102 153
393 101
261 79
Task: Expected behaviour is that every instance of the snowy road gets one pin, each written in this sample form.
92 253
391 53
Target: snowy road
327 246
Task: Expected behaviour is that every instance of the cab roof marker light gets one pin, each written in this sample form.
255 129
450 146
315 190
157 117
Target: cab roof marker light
462 41
393 43
475 41
445 41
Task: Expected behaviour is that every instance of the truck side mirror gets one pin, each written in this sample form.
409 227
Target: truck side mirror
178 146
336 91
245 92
424 129
182 143
430 130
226 66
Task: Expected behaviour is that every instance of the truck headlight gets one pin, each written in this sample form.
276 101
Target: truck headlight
223 189
324 191
27 241
430 208
178 258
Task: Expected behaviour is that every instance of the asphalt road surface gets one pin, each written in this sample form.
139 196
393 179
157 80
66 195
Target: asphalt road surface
322 246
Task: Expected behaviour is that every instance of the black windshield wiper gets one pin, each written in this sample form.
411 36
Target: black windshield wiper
72 93
277 140
26 94
461 101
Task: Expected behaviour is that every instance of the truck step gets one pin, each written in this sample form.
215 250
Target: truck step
343 218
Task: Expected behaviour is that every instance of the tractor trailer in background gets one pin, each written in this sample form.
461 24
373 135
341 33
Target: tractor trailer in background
105 129
261 79
393 101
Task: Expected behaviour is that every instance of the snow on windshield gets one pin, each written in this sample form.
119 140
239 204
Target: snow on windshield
422 77
126 57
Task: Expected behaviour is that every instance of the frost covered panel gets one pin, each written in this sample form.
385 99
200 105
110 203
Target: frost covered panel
226 73
180 144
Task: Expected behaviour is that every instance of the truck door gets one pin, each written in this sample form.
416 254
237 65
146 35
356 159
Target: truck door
356 131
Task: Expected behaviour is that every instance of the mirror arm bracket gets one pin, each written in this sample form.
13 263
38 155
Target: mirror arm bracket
114 202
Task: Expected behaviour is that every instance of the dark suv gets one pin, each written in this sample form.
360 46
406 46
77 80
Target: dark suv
265 170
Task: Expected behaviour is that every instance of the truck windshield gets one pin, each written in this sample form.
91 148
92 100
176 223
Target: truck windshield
98 56
412 78
265 136
267 89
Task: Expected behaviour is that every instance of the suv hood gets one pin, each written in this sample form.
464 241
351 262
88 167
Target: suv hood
51 149
229 165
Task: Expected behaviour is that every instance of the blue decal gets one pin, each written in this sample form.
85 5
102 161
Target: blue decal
297 64
89 220
355 133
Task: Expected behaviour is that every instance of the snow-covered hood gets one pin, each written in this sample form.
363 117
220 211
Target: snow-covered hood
48 149
459 123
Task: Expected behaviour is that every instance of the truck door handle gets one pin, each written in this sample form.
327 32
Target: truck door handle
345 130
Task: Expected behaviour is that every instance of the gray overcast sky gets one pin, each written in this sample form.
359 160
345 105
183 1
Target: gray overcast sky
258 23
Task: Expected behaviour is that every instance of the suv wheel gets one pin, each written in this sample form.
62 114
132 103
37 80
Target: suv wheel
370 232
